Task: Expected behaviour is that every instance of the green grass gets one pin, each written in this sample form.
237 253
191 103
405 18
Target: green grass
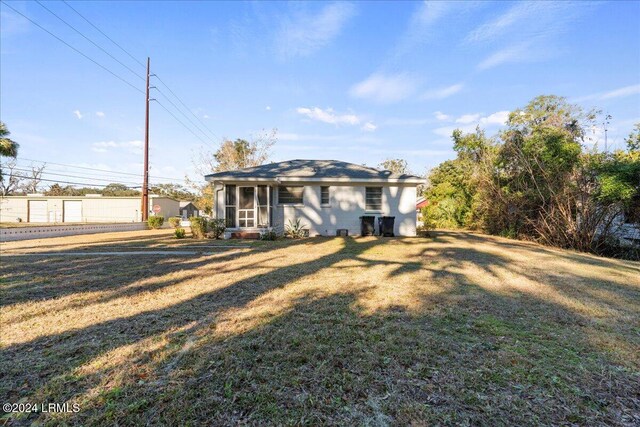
456 329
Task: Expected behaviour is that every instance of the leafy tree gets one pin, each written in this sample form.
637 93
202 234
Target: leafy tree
398 166
175 191
117 189
633 140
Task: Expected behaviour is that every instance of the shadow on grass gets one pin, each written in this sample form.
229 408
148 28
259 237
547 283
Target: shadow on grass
258 350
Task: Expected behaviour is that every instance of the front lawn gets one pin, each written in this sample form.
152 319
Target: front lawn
460 328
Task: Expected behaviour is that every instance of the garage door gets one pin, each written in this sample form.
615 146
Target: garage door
72 211
38 211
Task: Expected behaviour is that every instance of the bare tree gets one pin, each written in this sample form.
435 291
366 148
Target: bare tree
16 179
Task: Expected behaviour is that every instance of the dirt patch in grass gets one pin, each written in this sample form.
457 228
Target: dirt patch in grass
455 329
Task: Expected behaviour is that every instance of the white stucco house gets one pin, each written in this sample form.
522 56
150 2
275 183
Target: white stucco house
328 196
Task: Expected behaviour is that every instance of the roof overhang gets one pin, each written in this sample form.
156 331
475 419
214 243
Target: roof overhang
290 179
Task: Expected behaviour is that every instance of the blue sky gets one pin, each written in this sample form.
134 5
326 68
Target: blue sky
358 82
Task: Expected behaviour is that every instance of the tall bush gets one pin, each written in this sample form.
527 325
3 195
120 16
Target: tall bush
155 221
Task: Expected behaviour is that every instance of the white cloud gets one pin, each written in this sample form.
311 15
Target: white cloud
443 92
622 92
369 127
78 114
268 108
205 116
134 146
303 34
100 114
468 118
384 88
469 122
533 31
514 53
328 116
440 116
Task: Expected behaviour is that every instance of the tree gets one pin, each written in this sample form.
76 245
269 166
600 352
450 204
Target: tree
117 189
175 191
231 155
8 147
398 166
19 180
633 140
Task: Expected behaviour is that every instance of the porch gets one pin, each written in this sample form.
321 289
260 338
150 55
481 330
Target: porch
248 209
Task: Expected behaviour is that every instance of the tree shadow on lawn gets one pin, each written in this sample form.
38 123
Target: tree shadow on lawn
280 347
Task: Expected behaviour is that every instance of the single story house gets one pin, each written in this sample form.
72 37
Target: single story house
328 196
38 208
187 210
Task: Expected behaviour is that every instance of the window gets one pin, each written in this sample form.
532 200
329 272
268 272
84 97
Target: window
230 206
290 195
324 195
263 206
373 198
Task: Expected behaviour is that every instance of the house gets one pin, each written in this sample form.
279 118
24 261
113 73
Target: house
328 196
92 208
187 210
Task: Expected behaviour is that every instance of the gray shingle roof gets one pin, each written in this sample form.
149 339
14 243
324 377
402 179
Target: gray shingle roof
310 169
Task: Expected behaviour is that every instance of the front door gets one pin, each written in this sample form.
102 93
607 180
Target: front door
246 207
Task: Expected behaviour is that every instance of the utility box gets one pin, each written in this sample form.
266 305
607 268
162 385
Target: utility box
342 232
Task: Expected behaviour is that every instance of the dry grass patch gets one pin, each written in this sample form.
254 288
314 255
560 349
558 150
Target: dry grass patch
459 328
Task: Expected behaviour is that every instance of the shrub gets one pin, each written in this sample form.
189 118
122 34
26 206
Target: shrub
180 233
216 227
296 230
198 227
175 221
269 235
155 221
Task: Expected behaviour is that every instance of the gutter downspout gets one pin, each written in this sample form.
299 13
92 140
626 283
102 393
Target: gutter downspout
215 197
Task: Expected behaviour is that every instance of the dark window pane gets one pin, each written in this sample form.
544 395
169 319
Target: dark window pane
230 195
262 195
324 195
373 198
290 195
246 197
230 217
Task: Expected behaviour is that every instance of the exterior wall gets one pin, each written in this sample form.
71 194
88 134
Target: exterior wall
346 206
94 209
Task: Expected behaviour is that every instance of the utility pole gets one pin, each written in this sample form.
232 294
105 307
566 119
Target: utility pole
145 182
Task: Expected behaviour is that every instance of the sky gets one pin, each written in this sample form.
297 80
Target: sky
358 82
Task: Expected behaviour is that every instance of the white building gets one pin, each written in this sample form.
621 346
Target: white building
328 197
37 208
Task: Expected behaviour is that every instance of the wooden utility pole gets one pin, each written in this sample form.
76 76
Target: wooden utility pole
145 182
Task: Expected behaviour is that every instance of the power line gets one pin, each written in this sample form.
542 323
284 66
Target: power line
71 47
185 126
44 172
181 112
69 182
94 169
89 40
184 105
102 32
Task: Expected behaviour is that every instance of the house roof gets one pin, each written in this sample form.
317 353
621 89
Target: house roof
312 170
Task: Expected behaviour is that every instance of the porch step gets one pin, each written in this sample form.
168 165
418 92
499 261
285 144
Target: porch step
245 235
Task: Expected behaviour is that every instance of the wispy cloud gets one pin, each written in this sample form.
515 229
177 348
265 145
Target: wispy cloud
443 92
469 122
369 127
78 114
532 31
105 146
612 94
100 114
303 33
384 89
441 117
329 116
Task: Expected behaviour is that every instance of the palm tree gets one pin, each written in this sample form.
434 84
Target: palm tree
8 148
